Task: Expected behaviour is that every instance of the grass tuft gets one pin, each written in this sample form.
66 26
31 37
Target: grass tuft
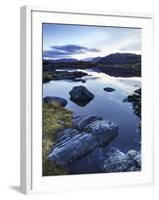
55 118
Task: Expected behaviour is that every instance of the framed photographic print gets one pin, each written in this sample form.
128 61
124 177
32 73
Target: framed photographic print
86 100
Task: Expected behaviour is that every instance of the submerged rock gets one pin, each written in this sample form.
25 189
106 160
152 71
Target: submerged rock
73 144
117 161
105 160
109 89
81 95
52 99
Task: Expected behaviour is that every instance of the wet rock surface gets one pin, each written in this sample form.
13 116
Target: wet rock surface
80 122
84 148
117 161
72 144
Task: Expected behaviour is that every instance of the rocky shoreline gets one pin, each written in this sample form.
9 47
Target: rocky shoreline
61 71
86 135
51 74
135 99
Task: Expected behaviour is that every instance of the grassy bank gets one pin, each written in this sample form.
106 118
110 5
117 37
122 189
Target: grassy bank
55 118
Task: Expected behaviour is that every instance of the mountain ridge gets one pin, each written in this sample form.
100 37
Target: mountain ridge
114 58
120 58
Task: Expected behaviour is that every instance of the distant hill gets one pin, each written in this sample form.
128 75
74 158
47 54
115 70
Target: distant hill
65 60
96 59
120 58
87 59
115 58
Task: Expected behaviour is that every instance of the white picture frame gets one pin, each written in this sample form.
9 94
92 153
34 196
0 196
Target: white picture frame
31 83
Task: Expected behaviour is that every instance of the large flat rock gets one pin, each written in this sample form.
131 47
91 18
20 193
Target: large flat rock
80 122
72 144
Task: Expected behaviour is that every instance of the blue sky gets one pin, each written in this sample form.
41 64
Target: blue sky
80 42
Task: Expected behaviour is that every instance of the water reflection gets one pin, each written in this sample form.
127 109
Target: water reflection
109 106
81 103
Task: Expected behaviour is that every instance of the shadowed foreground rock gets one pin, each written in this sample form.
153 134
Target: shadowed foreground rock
117 161
72 144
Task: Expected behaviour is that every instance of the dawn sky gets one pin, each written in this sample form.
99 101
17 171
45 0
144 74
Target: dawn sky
80 42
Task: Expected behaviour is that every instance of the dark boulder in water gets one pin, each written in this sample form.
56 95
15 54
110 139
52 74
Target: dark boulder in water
109 89
81 95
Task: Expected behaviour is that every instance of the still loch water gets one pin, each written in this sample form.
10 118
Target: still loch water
108 105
